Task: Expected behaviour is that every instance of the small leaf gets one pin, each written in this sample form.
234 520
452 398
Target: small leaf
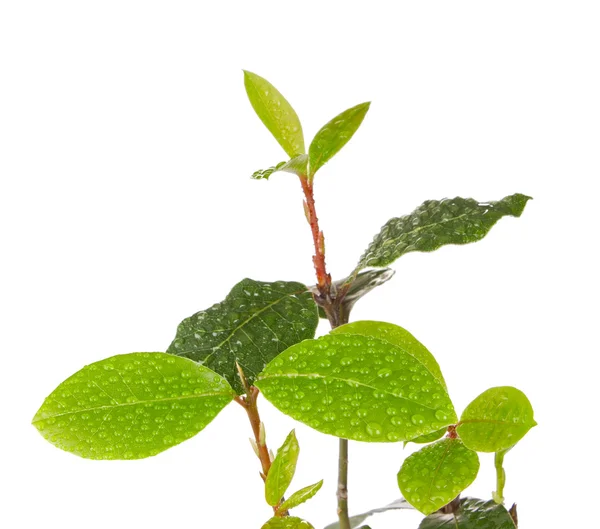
297 165
429 438
334 135
355 521
496 419
287 522
437 223
254 323
436 474
131 406
397 336
300 497
357 387
472 513
276 113
282 470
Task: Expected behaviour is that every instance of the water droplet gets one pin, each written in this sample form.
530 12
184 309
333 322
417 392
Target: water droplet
441 415
384 372
374 429
417 419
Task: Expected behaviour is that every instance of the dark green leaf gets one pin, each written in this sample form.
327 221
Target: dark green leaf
334 135
437 223
357 387
355 521
282 470
429 438
300 497
297 165
276 113
496 419
287 522
436 474
132 406
472 513
254 323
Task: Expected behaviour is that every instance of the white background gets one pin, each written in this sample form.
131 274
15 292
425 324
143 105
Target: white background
126 146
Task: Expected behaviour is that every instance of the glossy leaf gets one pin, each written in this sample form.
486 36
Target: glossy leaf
429 438
254 323
287 522
357 387
436 474
472 513
282 470
436 223
300 497
334 135
297 165
496 419
276 113
131 406
397 336
355 521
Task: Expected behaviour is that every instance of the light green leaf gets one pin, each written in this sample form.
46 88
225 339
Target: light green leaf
282 470
287 522
429 438
254 323
472 513
496 419
300 497
436 474
276 113
357 387
334 135
397 336
436 223
132 406
356 520
297 165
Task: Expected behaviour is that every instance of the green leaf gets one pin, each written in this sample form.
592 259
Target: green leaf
437 223
496 419
357 387
429 438
276 113
300 497
334 135
436 474
282 470
254 323
287 522
355 521
297 165
397 336
131 406
472 513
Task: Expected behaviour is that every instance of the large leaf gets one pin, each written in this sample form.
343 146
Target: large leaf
472 513
436 474
276 113
436 223
297 165
254 323
496 419
282 470
334 135
287 522
357 387
132 406
397 336
356 520
300 497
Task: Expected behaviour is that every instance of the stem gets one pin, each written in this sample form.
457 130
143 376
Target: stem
498 494
342 491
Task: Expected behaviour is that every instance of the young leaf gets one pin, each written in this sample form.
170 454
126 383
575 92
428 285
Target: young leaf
334 135
437 223
297 165
355 521
299 497
276 113
282 470
287 522
436 474
429 438
254 323
132 406
357 387
496 419
472 513
397 336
